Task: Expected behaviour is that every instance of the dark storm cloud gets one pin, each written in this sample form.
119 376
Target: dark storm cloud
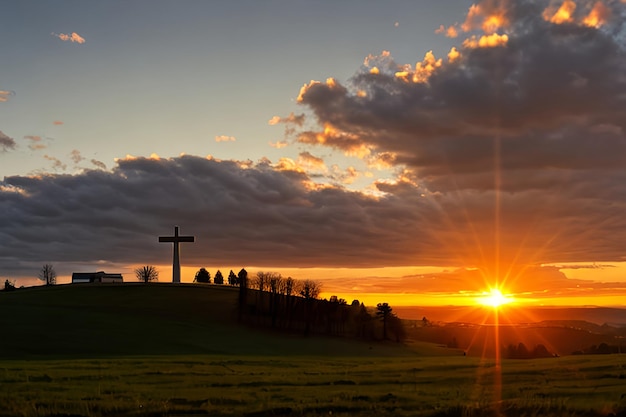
6 143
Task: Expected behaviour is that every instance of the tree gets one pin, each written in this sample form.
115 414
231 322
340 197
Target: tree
48 275
232 278
289 286
242 278
147 273
8 285
219 278
261 281
310 289
202 276
384 313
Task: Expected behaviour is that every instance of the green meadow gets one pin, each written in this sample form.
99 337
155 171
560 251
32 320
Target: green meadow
165 350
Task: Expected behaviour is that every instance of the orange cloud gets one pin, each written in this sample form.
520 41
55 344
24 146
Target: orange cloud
564 14
57 123
278 144
423 70
69 37
310 161
450 32
4 95
486 41
453 55
598 15
297 119
330 82
225 138
488 16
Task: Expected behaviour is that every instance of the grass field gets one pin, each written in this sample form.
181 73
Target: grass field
159 350
365 386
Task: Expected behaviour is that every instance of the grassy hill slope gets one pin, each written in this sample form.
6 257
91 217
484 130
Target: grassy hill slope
91 320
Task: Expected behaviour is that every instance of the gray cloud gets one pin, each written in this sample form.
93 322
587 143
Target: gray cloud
6 143
514 149
254 214
552 98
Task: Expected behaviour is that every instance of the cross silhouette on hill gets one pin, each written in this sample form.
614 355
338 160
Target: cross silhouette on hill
176 239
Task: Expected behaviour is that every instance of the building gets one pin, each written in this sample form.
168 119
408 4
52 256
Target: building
100 276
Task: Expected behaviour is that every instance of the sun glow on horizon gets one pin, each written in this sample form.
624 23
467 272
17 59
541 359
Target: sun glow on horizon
494 298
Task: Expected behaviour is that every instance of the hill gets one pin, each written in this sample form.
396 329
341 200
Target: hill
115 320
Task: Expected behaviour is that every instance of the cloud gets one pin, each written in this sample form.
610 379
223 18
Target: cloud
224 138
242 214
76 157
35 142
523 121
57 164
293 119
57 123
69 37
6 143
5 94
98 164
278 144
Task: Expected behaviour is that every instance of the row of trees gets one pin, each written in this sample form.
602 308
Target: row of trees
294 305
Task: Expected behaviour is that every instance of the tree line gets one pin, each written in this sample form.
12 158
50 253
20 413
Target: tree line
293 305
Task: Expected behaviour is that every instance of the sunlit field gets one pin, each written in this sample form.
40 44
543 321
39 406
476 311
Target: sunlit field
363 386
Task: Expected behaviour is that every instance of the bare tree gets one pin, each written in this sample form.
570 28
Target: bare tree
261 280
310 289
48 275
289 286
147 273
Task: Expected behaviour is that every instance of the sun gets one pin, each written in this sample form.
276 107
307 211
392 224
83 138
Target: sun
494 298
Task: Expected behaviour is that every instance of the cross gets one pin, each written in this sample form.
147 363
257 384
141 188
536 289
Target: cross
176 240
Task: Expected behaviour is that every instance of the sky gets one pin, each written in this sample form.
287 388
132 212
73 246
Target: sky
416 152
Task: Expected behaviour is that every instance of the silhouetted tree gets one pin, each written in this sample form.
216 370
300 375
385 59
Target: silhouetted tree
202 276
289 286
383 312
242 278
8 285
540 351
275 284
309 290
218 278
364 323
147 273
396 327
261 281
48 275
232 278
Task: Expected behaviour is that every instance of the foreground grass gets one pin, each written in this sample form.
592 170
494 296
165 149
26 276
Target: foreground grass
312 386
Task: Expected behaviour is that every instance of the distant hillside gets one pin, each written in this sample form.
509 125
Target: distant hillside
514 314
108 320
560 337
